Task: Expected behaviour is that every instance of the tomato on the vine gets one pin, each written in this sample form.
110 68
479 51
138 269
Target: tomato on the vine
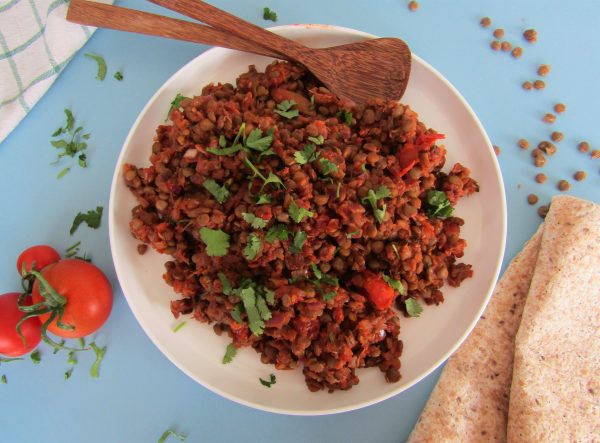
40 256
87 294
11 343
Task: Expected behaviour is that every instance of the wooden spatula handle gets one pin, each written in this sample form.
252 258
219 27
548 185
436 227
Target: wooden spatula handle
220 19
123 19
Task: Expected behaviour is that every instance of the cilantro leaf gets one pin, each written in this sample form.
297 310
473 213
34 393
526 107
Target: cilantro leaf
220 193
263 309
70 120
272 178
101 65
68 374
328 296
92 218
225 283
327 166
4 380
179 325
70 147
277 231
344 116
269 15
257 173
176 103
254 221
413 308
372 198
285 109
225 151
298 242
352 234
263 199
317 140
36 357
118 76
216 241
236 313
170 432
230 352
395 284
62 173
326 279
71 360
298 213
100 352
255 322
270 296
438 204
256 141
308 154
252 247
268 383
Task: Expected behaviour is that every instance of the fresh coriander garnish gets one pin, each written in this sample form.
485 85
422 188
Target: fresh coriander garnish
176 103
263 199
71 360
269 15
345 116
236 313
4 380
277 231
268 383
68 373
235 146
395 284
230 352
363 167
327 166
298 214
317 140
413 308
352 234
298 242
254 221
272 178
220 193
269 296
252 247
308 154
35 357
170 432
179 325
372 198
101 65
255 321
92 218
438 204
320 278
216 241
118 76
258 141
71 147
285 109
100 352
225 283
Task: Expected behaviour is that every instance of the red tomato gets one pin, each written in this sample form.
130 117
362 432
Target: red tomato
87 291
11 344
378 291
40 255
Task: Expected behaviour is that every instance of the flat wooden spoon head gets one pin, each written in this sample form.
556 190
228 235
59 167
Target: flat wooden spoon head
378 68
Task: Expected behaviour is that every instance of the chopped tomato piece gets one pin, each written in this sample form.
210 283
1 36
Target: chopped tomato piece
378 291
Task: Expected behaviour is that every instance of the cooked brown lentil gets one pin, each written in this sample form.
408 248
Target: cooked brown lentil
557 136
498 33
549 118
596 153
530 35
564 185
413 5
583 147
495 45
532 199
547 148
496 149
541 178
527 85
543 210
517 52
505 46
142 248
539 84
580 176
523 144
559 108
485 22
543 70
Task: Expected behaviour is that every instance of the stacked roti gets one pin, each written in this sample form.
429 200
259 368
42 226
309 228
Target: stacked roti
530 370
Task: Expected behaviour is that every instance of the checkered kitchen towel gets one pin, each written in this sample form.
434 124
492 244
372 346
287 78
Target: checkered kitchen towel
36 43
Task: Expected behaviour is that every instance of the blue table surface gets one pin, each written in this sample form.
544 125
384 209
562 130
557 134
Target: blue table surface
140 393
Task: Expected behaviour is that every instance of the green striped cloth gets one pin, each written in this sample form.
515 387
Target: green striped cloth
36 43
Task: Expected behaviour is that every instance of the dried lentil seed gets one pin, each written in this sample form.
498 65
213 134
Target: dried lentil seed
505 46
579 176
495 45
517 52
496 150
549 118
560 108
583 147
557 136
532 199
499 33
596 153
540 178
537 152
485 22
543 211
539 161
523 144
413 5
543 70
564 185
539 84
547 148
530 35
527 85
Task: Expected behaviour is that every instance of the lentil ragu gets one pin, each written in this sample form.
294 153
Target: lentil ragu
321 251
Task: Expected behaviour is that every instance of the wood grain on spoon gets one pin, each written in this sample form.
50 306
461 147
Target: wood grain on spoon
377 68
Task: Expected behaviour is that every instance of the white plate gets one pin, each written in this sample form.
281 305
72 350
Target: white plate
428 340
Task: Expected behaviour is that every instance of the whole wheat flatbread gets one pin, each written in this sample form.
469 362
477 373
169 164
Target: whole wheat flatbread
470 401
555 392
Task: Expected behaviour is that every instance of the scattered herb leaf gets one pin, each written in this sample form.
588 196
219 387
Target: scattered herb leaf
257 141
236 313
254 221
328 166
230 353
352 234
62 173
269 15
345 116
4 380
179 325
248 296
372 198
395 284
277 231
298 213
101 65
92 218
71 360
220 193
438 204
119 76
225 283
252 247
268 383
413 308
35 356
272 178
308 154
270 296
170 432
100 352
285 109
216 241
317 140
176 103
68 373
70 147
263 199
298 242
